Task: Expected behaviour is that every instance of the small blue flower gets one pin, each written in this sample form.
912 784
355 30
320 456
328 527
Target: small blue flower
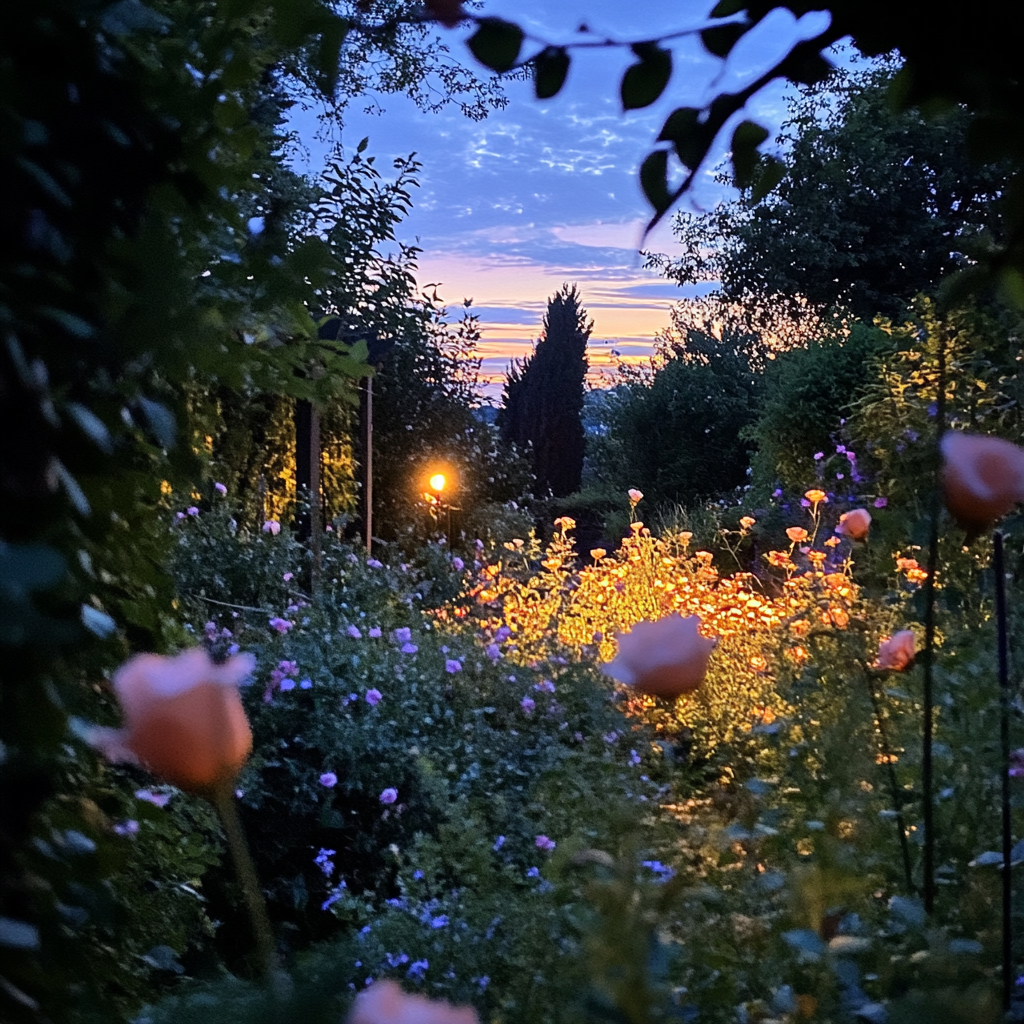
441 921
533 873
499 843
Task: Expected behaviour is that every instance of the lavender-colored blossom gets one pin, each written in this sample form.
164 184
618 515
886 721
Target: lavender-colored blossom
127 828
305 684
156 799
498 843
610 737
286 685
220 488
493 652
544 686
372 563
458 564
374 697
288 577
409 648
634 757
852 456
818 456
881 502
353 631
528 704
417 875
417 968
441 921
544 843
271 526
281 625
389 795
533 873
777 493
663 871
373 632
324 863
402 635
329 779
192 510
179 515
452 665
483 981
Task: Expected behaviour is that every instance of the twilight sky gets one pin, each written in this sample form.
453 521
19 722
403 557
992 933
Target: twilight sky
545 192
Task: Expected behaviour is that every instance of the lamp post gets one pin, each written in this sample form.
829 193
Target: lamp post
438 482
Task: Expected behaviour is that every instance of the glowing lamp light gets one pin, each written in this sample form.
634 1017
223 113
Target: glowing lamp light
437 482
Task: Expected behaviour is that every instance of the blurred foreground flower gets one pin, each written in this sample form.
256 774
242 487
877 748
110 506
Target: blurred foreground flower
183 718
666 658
384 1002
897 653
855 524
983 478
635 496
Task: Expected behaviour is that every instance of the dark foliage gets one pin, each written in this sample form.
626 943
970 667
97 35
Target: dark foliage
543 396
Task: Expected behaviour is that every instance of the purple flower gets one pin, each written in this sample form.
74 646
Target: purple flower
804 503
452 665
544 686
192 510
818 456
157 799
528 704
881 502
306 684
389 796
777 493
852 456
324 863
272 526
840 449
533 873
179 515
417 875
493 652
610 737
402 635
329 779
499 843
839 476
373 632
281 625
288 577
1016 770
373 697
634 757
458 564
544 843
372 563
417 968
441 921
220 488
353 631
286 685
409 648
127 828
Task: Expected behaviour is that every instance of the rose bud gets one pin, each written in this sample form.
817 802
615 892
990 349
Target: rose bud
384 1002
183 718
855 524
983 478
666 658
897 653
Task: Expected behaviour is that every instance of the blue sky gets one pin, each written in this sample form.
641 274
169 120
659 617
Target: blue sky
545 192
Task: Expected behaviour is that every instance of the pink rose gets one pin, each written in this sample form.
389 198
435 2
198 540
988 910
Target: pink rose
983 478
666 658
897 653
384 1002
855 524
183 718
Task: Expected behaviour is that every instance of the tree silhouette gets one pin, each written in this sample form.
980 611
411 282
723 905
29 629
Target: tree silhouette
543 396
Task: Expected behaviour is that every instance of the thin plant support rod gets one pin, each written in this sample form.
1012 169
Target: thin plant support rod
928 695
1002 643
897 797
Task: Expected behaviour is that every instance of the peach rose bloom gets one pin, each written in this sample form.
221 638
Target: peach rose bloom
855 524
796 534
183 718
983 478
666 658
897 653
384 1002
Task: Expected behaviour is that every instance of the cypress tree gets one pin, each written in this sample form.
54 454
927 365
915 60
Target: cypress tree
543 396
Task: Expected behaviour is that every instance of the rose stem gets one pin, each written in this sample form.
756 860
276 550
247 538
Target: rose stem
224 801
927 780
897 797
1004 737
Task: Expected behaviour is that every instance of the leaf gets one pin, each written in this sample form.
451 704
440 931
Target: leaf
550 67
806 942
691 137
745 140
91 425
28 567
363 143
18 934
814 69
161 421
645 80
496 43
720 40
328 56
97 622
771 171
726 7
911 911
654 180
